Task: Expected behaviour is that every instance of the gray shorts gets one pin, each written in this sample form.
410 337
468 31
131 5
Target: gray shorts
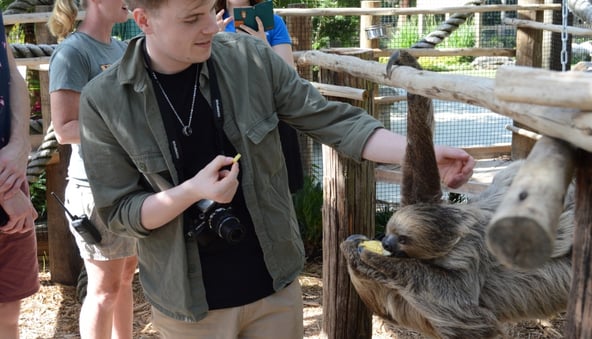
79 200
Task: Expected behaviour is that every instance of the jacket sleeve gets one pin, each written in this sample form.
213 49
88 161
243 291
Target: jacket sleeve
337 124
115 181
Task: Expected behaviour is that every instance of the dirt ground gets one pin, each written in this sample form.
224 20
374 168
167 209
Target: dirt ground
53 313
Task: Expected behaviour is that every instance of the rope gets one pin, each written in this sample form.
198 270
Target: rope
39 160
32 50
446 28
25 6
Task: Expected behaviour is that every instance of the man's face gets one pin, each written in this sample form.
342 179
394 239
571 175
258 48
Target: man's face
179 33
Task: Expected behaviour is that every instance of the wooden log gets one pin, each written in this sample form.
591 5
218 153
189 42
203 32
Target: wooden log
422 52
557 89
344 92
522 231
441 52
568 124
579 308
548 27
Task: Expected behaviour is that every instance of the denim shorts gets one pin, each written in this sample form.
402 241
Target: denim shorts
79 201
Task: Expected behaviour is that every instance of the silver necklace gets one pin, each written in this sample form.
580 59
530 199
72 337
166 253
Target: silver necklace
186 129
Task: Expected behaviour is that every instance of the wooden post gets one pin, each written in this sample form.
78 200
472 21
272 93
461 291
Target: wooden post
367 21
579 309
528 53
349 207
64 259
300 29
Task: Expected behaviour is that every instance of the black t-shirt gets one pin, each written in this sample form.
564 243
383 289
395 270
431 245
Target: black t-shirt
234 275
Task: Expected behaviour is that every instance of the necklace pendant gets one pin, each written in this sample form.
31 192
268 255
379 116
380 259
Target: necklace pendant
187 131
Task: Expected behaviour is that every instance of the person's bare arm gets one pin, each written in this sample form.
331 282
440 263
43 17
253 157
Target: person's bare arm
14 156
14 189
285 51
455 165
64 116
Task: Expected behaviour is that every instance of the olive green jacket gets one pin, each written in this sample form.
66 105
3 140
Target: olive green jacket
124 141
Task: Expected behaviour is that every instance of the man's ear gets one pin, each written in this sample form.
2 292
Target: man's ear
142 20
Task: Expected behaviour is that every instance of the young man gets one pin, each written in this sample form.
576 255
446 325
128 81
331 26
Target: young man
19 272
168 120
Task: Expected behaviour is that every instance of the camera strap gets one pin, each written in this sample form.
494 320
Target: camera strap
216 99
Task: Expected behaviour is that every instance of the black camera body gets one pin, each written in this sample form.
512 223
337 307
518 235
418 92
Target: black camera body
220 220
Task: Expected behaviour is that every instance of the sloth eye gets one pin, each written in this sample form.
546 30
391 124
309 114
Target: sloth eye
403 239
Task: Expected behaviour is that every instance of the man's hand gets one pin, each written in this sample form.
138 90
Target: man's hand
216 182
455 166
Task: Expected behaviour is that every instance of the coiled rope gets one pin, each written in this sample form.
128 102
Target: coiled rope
25 6
32 50
445 29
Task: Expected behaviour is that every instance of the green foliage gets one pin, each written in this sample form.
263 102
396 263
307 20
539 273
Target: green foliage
4 4
383 214
308 202
38 190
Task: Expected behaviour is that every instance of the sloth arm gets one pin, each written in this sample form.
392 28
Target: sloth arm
416 279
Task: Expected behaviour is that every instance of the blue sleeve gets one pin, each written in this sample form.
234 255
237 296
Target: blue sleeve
279 34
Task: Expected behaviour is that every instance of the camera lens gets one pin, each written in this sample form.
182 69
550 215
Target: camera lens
227 226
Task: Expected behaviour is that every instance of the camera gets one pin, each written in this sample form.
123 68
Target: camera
220 220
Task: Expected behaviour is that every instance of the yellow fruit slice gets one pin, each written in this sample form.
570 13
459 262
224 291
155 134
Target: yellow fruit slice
372 245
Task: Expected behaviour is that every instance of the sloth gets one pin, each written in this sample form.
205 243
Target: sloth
440 279
436 274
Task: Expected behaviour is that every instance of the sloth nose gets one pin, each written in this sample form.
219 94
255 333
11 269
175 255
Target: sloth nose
389 243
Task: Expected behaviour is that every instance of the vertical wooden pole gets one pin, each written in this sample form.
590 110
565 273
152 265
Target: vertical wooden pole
528 53
367 21
349 208
300 29
579 310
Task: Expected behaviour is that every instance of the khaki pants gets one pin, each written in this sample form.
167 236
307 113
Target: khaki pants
276 316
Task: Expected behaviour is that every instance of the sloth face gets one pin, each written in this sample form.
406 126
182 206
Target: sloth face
423 231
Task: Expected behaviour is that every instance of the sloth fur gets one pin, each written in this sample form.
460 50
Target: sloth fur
442 281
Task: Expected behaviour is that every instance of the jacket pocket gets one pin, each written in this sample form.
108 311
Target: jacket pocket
262 128
150 163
